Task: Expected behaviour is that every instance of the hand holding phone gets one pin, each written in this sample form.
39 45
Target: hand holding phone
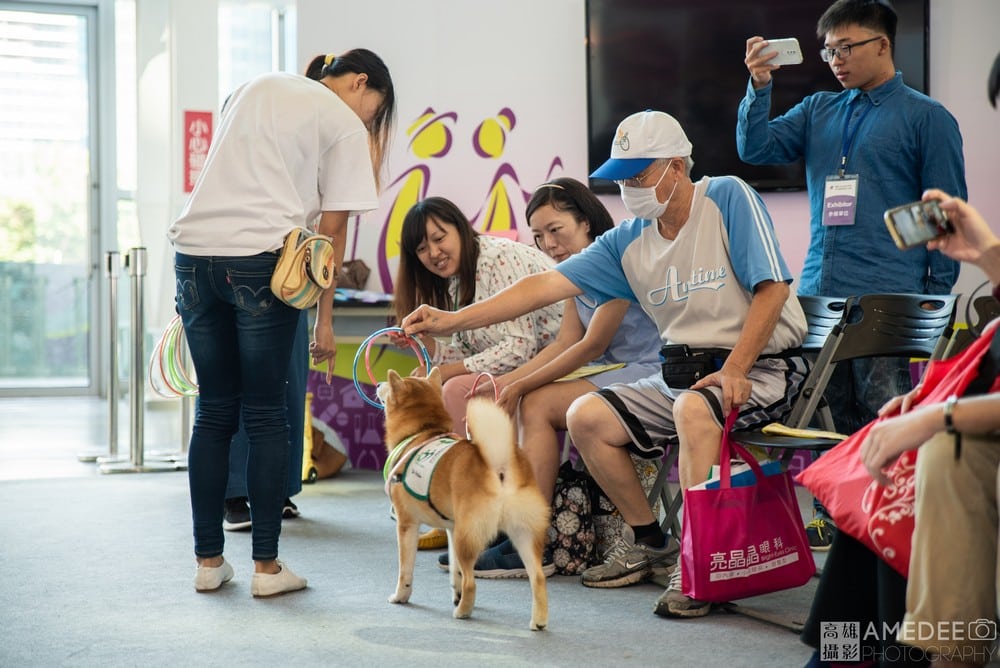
917 223
788 50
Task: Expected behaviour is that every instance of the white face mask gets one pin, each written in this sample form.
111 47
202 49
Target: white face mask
642 202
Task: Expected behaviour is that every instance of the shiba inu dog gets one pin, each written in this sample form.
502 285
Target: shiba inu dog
472 487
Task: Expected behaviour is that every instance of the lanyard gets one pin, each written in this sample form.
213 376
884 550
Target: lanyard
848 137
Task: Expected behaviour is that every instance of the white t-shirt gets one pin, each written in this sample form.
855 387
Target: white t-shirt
287 148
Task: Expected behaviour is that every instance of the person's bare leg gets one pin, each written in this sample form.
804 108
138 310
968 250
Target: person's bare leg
601 440
541 415
270 566
455 392
700 438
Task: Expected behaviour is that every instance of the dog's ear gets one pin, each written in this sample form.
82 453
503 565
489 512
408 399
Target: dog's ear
394 379
435 377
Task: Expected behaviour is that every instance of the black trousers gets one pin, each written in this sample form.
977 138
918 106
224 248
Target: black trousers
857 586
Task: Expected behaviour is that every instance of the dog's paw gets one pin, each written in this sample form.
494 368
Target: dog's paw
461 613
537 627
400 598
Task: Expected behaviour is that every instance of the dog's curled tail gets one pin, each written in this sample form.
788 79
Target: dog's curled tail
492 431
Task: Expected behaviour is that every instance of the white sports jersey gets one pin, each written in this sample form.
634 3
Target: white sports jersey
696 288
287 148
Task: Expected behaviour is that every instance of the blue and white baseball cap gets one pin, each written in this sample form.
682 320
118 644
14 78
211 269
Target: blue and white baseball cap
640 139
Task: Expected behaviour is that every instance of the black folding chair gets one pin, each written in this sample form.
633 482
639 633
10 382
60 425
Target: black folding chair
881 325
986 309
822 314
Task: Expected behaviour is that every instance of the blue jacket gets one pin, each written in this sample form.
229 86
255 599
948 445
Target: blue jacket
905 143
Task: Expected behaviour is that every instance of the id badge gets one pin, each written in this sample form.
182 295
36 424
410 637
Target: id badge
840 199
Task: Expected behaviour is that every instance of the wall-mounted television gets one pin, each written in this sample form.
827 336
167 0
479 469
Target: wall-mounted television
685 57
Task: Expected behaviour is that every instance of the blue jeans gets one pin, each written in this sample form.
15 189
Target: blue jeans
858 388
295 403
240 338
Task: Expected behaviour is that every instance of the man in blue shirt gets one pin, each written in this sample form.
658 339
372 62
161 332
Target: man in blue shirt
875 145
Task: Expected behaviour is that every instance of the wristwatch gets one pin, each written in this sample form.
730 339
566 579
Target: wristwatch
949 423
949 410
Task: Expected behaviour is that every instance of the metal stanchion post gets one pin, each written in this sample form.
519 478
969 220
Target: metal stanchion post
136 263
112 268
179 457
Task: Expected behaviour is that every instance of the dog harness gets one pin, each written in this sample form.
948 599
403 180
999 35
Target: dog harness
416 468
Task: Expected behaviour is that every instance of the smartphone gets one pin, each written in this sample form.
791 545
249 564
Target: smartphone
917 223
789 52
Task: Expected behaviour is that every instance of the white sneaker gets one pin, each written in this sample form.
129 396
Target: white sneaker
272 584
210 578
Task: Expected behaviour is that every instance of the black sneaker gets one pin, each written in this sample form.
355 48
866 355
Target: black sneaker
237 515
820 532
289 510
501 538
500 561
503 561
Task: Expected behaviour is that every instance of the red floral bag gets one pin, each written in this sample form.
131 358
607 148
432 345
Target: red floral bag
882 517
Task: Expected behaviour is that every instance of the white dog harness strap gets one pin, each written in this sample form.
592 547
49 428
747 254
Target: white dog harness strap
420 466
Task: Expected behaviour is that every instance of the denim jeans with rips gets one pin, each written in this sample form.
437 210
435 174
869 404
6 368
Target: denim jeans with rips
240 339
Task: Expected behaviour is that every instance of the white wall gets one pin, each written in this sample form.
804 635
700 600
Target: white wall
175 39
508 78
964 43
512 77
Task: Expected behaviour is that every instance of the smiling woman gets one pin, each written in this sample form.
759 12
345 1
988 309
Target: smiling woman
444 262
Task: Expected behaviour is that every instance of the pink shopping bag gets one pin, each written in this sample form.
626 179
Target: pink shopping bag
743 541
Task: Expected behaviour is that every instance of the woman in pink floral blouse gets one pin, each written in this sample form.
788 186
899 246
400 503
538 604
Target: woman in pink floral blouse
444 262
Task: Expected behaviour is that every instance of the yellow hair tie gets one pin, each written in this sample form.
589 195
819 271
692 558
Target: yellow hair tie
330 57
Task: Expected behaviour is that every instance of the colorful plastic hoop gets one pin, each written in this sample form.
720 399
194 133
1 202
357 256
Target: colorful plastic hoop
475 384
168 375
416 344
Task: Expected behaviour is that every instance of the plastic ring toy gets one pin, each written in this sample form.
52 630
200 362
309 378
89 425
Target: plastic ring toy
475 383
416 344
167 374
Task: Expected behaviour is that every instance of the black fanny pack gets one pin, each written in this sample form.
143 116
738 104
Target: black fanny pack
683 366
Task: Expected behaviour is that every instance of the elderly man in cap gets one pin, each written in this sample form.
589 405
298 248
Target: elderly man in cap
702 260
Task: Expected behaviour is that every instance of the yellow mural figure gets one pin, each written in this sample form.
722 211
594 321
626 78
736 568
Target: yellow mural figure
497 214
430 137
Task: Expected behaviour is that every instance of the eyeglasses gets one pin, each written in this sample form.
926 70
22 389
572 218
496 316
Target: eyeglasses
843 51
637 181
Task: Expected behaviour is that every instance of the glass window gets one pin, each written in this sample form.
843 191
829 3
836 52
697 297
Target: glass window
248 41
46 80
